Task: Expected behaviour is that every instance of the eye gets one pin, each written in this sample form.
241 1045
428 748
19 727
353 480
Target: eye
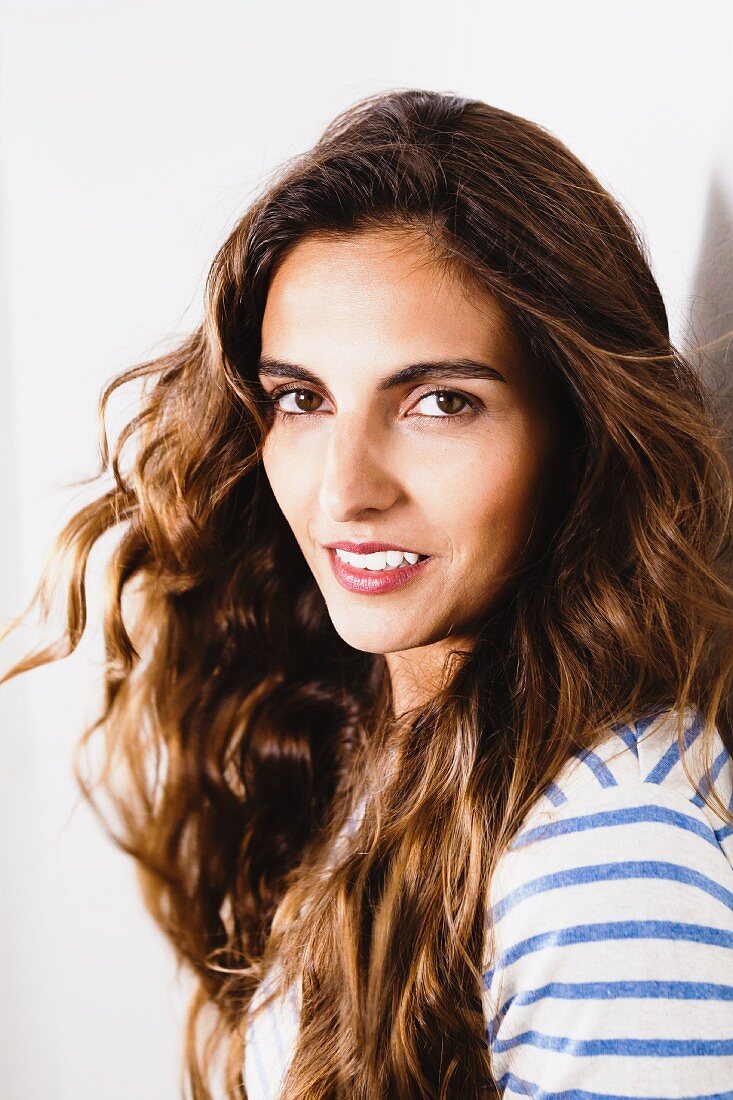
301 395
448 397
277 395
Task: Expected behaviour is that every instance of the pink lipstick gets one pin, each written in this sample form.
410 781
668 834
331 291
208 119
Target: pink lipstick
373 582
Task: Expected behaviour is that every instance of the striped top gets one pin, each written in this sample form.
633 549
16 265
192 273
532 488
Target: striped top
613 907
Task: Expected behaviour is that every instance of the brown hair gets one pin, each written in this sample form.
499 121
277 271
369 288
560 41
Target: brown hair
241 731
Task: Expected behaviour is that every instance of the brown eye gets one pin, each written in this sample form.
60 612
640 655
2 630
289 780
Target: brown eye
450 404
447 402
300 398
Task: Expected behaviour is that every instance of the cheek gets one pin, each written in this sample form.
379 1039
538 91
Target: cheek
281 476
294 485
488 513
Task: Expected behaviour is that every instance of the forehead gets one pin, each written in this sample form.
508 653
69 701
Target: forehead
376 291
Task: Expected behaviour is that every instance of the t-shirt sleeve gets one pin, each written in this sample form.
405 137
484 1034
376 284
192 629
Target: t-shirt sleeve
613 967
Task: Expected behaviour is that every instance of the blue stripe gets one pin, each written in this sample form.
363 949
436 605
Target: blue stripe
668 760
627 815
628 737
623 1047
608 872
617 930
726 830
611 991
704 784
603 774
511 1082
555 794
642 724
607 991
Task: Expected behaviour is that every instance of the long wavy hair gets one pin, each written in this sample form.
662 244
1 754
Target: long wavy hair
241 733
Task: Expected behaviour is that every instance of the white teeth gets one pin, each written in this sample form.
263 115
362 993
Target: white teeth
383 559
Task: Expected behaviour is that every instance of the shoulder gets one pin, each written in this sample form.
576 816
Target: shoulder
641 763
613 911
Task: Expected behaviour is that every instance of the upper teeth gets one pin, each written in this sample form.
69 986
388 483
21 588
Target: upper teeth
382 559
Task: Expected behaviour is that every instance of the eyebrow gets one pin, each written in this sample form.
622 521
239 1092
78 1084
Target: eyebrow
415 372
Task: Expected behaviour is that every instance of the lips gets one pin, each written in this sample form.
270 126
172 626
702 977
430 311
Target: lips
374 582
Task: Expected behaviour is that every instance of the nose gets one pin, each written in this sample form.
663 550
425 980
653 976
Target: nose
358 474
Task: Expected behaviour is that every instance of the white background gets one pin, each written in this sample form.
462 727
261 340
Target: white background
133 136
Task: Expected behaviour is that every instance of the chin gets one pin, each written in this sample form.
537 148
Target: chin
369 643
377 639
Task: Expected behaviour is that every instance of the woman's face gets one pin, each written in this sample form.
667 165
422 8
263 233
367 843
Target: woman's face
358 460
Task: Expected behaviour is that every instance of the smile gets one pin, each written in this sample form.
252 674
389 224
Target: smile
378 574
381 559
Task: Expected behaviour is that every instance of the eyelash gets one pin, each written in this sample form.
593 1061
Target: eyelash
274 397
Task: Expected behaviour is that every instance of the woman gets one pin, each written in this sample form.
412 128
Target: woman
419 723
